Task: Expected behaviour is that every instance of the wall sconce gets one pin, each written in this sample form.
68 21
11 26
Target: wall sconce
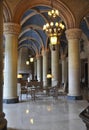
27 62
49 76
19 76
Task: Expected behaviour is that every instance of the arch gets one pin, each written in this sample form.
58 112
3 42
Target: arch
65 13
29 38
86 43
6 12
29 47
30 27
32 14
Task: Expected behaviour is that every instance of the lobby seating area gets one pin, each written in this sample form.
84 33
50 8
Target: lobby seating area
35 88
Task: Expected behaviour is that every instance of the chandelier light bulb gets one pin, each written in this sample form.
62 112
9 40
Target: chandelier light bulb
51 24
47 24
57 12
56 24
53 11
63 26
49 13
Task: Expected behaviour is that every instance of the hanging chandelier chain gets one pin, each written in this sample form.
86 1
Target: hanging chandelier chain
51 4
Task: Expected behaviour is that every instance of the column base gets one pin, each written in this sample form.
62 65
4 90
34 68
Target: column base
10 101
74 97
3 122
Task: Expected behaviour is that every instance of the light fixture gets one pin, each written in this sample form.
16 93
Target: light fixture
54 29
19 76
49 76
27 62
31 59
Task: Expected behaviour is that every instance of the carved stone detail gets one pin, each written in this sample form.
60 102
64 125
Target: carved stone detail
11 28
74 33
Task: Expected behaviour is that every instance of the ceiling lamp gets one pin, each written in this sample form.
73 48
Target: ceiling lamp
31 59
54 29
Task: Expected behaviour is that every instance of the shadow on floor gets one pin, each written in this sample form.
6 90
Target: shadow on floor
11 129
16 129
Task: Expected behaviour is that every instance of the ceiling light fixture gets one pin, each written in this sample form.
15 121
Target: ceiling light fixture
54 29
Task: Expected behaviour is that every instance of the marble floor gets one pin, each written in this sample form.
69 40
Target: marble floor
45 114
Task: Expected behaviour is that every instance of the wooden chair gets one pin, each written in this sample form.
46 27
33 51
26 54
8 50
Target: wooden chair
24 89
34 87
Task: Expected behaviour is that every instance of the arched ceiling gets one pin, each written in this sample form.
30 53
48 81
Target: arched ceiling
32 32
33 16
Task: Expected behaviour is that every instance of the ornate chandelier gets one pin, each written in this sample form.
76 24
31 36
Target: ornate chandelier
54 29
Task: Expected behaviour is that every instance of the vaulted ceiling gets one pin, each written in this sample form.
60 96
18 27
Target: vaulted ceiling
34 16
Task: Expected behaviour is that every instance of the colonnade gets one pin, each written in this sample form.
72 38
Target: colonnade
11 31
9 93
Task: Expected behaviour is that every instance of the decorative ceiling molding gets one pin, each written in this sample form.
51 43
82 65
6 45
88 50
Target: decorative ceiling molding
65 13
6 12
28 28
32 14
34 41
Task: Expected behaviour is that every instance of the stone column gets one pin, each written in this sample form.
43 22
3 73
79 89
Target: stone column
64 69
3 122
32 69
88 70
39 67
55 64
45 67
35 69
22 58
11 31
60 70
73 37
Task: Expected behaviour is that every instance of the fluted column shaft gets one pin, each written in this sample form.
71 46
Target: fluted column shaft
11 31
73 37
39 67
45 67
55 64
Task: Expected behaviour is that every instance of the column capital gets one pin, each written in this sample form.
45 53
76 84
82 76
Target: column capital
63 56
45 52
38 56
74 33
11 28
